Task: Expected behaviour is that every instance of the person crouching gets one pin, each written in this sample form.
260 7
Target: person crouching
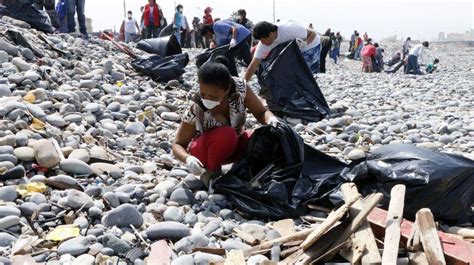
212 131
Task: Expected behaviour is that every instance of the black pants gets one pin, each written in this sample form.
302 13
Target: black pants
241 51
324 53
152 32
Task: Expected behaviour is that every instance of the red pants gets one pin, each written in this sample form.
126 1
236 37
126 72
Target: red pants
219 146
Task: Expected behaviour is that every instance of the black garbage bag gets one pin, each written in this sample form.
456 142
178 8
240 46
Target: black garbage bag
289 86
394 68
162 69
279 175
163 46
167 31
210 54
439 181
17 38
26 11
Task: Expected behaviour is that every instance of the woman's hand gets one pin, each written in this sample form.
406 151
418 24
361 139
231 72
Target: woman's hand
194 165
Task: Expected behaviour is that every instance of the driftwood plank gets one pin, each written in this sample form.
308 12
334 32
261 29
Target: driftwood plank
327 224
429 237
285 227
371 253
456 251
235 257
330 246
247 238
267 245
394 220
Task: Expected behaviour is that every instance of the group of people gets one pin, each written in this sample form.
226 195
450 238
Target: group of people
63 14
412 58
212 131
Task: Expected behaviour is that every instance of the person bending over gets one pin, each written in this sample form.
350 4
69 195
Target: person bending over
212 131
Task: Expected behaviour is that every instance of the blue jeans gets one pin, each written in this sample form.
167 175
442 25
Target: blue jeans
130 36
412 66
335 54
359 49
312 58
72 7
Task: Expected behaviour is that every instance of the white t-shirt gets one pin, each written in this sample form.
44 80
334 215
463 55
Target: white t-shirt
130 25
417 50
286 31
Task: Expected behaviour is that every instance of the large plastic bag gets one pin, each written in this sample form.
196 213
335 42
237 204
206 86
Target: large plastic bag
279 175
26 11
164 46
210 54
289 86
394 68
162 69
439 181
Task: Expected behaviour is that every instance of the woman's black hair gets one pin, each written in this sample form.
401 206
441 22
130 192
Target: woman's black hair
216 73
263 29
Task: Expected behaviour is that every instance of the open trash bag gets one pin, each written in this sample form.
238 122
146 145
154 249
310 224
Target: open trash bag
210 54
26 11
163 46
439 181
279 174
162 69
289 86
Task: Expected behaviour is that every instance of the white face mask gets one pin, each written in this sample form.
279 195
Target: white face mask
210 104
129 16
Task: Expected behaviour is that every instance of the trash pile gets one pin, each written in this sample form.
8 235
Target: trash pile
87 175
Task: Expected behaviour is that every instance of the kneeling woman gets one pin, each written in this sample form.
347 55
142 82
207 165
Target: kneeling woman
212 130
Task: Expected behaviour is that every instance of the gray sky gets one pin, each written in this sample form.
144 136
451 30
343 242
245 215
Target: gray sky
420 19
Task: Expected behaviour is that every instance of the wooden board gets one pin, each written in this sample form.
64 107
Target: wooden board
334 239
371 253
247 238
456 251
429 237
235 257
267 245
354 251
327 224
394 220
285 227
